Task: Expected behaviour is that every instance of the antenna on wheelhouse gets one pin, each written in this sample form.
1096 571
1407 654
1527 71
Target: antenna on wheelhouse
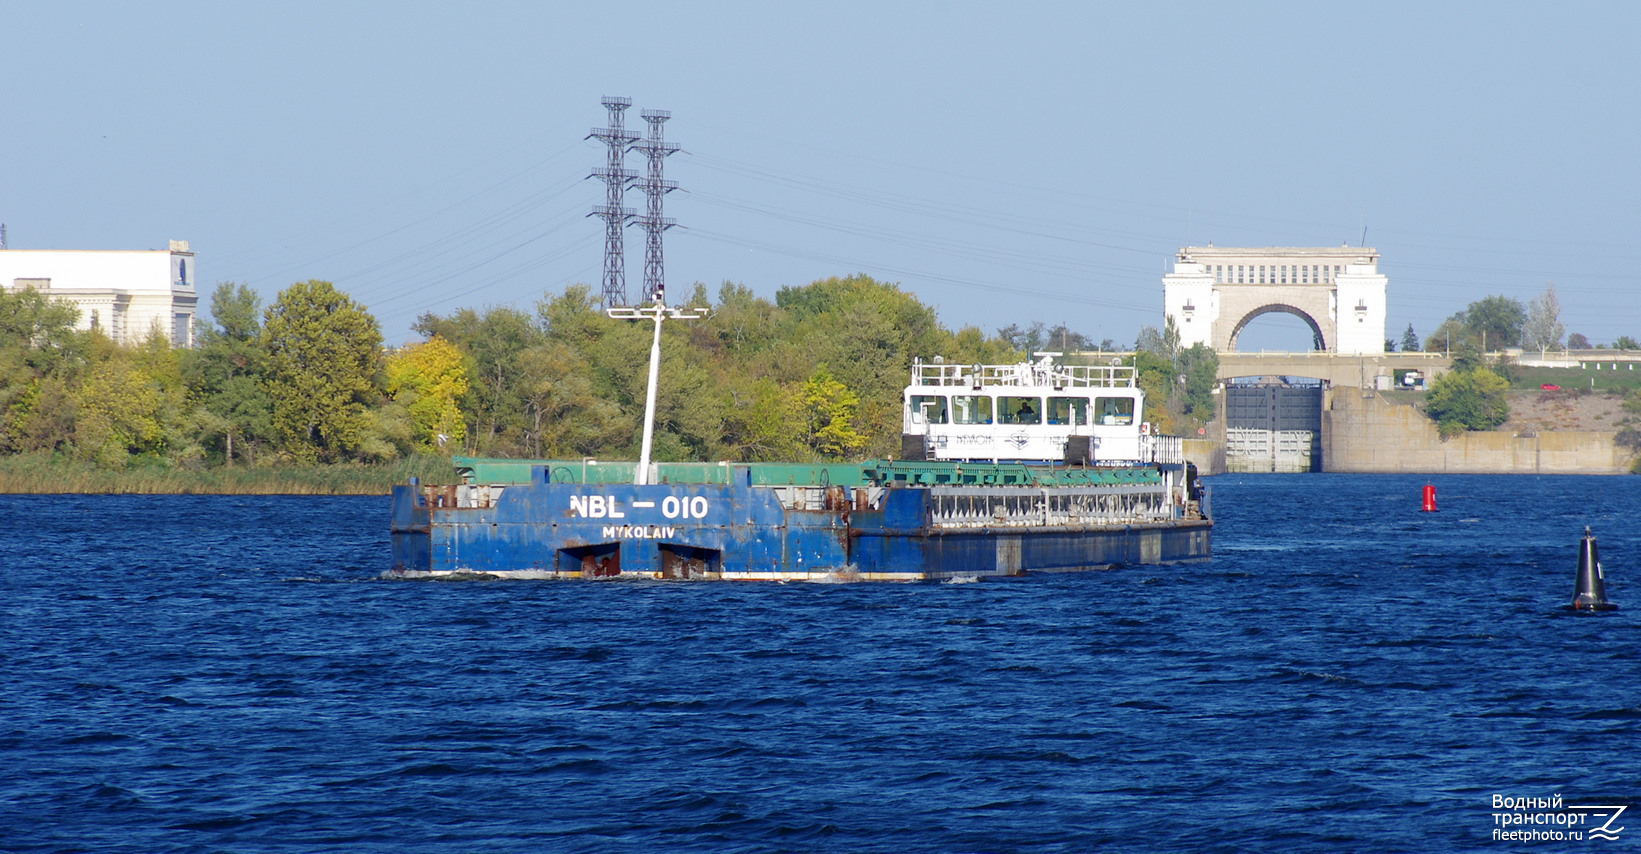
616 177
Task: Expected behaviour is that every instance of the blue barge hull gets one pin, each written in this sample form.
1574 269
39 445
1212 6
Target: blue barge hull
901 525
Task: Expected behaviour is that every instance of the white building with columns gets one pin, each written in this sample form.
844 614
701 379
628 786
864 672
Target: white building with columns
1214 292
126 294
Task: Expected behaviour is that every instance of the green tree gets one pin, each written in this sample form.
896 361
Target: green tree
1625 342
566 414
118 413
1410 340
1178 391
234 416
868 332
1200 366
323 355
1496 320
762 421
41 417
1178 381
40 357
32 321
236 310
1163 344
1039 337
1155 376
161 363
385 433
1471 399
1467 356
573 316
1023 338
1489 323
493 343
571 381
970 346
741 321
1063 339
1449 334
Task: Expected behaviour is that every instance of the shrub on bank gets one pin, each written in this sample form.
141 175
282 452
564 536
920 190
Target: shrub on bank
1471 399
45 473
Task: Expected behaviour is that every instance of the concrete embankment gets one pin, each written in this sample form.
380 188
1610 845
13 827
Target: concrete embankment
1208 454
1363 432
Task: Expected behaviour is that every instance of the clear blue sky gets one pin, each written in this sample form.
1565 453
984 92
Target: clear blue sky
1007 163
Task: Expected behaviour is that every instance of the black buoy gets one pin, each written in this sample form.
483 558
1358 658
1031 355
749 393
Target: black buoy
1590 594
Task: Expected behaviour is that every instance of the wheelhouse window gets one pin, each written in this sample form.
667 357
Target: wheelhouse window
1068 410
1114 411
971 409
1020 410
929 408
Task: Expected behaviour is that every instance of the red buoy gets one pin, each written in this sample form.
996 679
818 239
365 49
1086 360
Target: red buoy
1428 504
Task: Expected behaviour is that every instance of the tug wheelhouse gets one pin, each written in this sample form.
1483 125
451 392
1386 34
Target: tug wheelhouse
1030 412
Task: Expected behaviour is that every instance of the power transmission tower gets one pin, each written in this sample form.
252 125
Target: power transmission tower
616 177
655 149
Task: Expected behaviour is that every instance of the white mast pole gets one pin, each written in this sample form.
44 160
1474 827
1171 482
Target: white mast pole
643 475
657 312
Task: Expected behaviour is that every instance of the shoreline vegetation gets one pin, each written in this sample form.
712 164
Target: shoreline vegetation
303 397
48 474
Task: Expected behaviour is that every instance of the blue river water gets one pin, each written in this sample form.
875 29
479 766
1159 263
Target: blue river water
204 674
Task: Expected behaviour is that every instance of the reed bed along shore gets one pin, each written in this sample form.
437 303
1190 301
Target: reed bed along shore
40 474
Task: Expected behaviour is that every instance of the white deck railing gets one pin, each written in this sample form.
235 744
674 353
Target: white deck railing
1036 374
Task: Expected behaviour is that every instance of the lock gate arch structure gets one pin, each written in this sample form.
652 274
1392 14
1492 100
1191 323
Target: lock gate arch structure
1214 292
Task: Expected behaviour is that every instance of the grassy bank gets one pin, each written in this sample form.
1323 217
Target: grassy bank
1577 379
43 473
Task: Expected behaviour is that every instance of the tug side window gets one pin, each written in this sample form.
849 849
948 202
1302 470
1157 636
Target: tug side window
1068 410
971 409
1021 410
1114 411
929 408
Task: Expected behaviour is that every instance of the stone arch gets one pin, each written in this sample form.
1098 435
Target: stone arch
1337 291
1318 338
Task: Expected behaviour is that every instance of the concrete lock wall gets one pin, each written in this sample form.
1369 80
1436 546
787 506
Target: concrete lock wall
1208 455
1365 433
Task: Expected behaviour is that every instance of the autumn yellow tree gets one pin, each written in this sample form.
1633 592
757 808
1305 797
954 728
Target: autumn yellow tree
118 414
830 408
428 379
